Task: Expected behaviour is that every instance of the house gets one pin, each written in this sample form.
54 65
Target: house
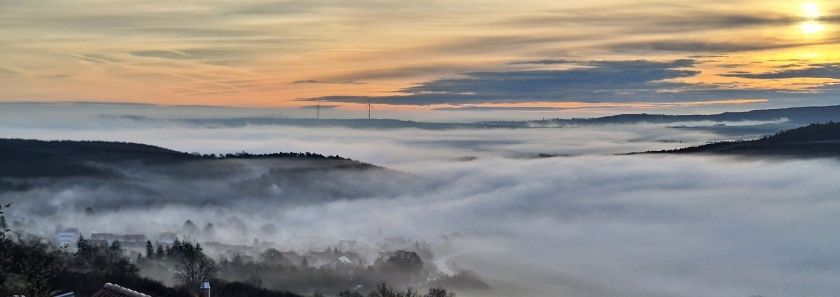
67 237
133 240
108 238
342 262
343 265
112 290
167 238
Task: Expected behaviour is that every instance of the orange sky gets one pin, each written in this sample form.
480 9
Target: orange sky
260 53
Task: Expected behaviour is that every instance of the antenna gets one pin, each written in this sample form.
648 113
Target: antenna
369 108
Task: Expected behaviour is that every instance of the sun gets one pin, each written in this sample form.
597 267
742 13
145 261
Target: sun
811 10
811 25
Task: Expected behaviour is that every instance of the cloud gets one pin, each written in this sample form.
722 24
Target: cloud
825 70
546 62
707 46
596 81
592 224
177 55
397 72
312 81
319 106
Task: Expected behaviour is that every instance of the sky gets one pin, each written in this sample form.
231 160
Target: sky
425 57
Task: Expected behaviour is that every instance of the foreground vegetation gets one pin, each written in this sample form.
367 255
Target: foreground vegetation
30 266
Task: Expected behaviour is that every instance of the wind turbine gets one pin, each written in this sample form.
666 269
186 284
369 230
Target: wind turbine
318 111
369 106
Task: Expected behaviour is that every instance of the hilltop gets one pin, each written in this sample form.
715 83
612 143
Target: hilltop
26 158
812 141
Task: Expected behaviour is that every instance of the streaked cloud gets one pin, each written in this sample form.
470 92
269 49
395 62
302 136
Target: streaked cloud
828 70
592 81
278 53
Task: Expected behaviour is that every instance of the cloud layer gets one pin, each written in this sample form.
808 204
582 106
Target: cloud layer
588 224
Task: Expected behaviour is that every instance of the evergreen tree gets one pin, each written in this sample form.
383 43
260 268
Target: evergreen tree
116 246
160 253
150 249
3 227
82 246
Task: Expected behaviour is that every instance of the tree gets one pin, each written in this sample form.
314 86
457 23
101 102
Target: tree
3 227
192 266
190 227
349 294
82 246
384 290
35 268
159 253
405 261
273 257
150 249
439 292
116 247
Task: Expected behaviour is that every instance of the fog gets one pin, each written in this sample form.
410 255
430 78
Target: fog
536 212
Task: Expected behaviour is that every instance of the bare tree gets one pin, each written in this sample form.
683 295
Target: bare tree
439 292
193 266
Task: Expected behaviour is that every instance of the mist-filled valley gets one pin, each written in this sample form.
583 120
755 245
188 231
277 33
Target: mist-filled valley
502 211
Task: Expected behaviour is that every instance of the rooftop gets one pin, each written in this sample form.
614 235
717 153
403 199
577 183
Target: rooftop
112 290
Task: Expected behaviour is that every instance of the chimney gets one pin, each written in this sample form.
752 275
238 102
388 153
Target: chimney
204 289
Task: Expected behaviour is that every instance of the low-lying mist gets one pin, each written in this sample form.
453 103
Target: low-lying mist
535 212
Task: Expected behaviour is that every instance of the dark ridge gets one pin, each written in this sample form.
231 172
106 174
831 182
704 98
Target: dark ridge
800 115
812 141
25 158
797 115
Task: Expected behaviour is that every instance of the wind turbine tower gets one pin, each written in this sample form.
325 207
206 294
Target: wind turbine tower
318 111
369 106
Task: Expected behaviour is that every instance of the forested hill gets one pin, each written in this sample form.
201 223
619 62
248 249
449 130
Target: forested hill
812 141
35 158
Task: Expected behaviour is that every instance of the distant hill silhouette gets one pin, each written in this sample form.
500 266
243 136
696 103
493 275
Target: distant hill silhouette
24 158
812 141
799 115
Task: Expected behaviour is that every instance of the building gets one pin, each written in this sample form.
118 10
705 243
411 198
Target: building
204 289
133 240
167 238
67 237
107 238
112 290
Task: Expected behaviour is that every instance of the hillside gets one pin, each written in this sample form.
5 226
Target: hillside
23 158
797 115
812 141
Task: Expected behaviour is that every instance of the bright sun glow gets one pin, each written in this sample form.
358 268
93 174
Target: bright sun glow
811 10
811 27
